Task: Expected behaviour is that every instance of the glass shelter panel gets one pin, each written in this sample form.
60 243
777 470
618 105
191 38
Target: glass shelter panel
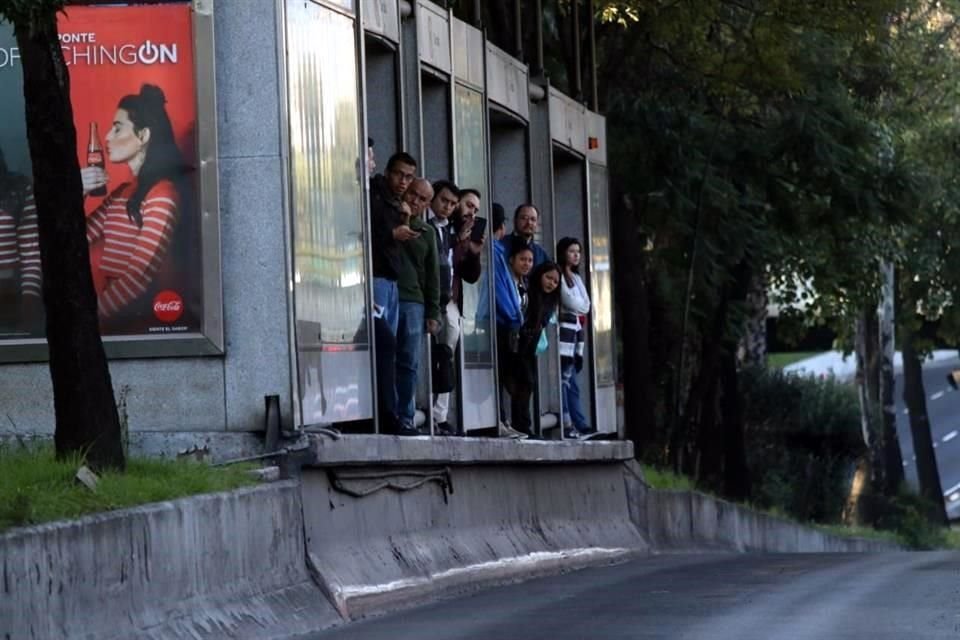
470 158
601 275
329 280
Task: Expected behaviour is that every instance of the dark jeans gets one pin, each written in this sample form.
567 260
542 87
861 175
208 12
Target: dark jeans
517 377
385 357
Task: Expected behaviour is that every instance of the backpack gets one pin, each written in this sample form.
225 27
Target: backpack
442 371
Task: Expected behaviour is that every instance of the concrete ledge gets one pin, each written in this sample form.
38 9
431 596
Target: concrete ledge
224 565
421 540
423 450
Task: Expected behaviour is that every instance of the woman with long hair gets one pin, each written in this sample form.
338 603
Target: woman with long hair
540 297
136 223
20 278
574 306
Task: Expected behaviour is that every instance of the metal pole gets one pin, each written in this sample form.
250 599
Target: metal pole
577 79
518 29
594 98
477 14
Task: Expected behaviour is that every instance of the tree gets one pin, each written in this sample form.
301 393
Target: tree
87 421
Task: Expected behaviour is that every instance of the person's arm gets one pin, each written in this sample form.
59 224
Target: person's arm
575 299
97 219
160 212
28 246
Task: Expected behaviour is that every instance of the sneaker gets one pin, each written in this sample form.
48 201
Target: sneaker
571 434
506 431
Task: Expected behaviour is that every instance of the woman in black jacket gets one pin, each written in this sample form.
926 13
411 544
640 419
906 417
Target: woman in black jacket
543 297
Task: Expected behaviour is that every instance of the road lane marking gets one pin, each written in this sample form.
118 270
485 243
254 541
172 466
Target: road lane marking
950 436
937 395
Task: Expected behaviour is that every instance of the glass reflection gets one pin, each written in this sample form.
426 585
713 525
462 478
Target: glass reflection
329 279
471 164
601 276
327 194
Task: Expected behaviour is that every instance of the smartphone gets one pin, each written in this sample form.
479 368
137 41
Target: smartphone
478 230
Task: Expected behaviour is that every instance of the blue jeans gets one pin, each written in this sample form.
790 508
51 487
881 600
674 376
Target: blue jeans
386 295
572 410
409 346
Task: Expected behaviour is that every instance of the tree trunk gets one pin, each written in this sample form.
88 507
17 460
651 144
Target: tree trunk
915 398
86 413
634 328
892 458
754 342
865 350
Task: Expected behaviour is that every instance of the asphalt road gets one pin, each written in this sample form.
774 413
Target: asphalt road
894 596
943 408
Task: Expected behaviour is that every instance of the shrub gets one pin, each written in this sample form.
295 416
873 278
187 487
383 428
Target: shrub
803 439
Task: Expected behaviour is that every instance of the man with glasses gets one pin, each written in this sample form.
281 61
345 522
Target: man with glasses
526 221
389 230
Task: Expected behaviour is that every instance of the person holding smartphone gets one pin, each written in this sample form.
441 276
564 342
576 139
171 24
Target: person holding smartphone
458 252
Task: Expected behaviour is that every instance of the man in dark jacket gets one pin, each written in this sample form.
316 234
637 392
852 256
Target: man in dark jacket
389 230
459 260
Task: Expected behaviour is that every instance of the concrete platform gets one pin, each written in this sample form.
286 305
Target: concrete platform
364 450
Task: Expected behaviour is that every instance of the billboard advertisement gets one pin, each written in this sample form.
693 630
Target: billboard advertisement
133 87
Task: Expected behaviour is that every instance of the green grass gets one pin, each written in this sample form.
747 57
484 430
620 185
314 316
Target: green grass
780 360
663 479
868 533
37 488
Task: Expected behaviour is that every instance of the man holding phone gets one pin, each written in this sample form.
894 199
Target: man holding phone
458 249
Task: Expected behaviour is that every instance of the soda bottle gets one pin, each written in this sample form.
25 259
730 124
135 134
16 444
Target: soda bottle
95 157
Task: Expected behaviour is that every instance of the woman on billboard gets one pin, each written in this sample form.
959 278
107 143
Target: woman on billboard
20 303
134 232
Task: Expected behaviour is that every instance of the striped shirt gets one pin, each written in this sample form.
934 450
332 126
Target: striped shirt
132 255
20 246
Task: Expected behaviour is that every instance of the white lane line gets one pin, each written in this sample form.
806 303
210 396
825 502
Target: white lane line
950 436
937 395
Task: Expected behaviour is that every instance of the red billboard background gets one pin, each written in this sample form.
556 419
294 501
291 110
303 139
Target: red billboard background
111 52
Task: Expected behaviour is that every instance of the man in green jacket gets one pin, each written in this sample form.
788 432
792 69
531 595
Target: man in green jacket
419 286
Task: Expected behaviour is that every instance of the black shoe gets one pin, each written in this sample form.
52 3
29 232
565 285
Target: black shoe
445 429
407 430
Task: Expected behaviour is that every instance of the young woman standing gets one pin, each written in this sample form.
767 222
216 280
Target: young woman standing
574 306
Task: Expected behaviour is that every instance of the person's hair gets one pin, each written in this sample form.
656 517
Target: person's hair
440 185
497 218
400 157
370 142
13 191
163 160
526 205
465 192
516 246
562 246
540 304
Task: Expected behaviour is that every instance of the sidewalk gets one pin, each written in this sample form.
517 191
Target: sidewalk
834 363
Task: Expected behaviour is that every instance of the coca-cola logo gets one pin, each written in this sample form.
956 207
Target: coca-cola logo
168 306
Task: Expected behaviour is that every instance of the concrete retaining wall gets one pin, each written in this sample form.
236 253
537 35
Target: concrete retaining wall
681 520
226 565
354 537
498 524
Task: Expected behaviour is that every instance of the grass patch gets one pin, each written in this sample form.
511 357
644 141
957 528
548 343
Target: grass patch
868 533
37 488
663 479
780 360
